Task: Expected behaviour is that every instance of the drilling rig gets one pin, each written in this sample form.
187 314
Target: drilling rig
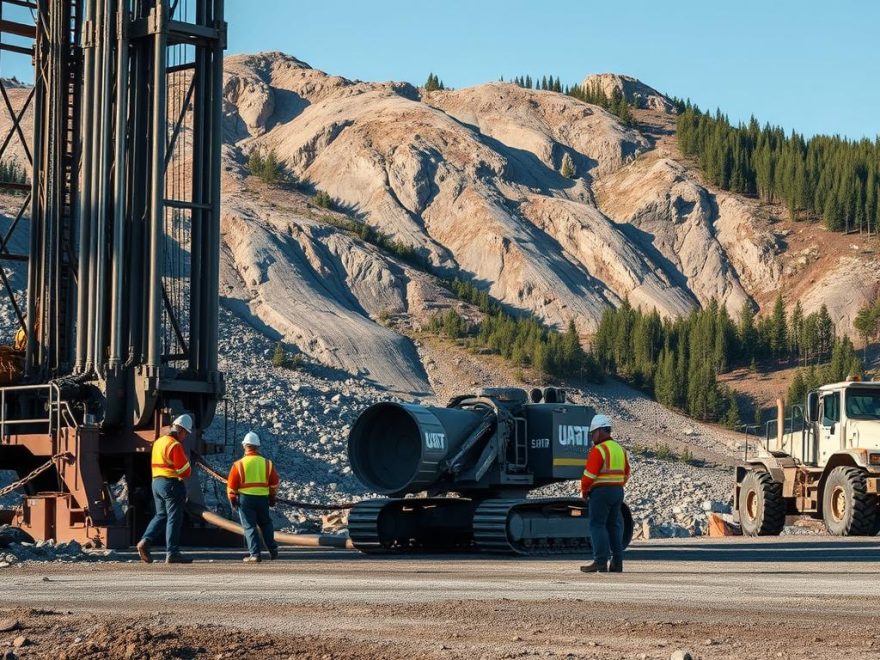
477 460
119 230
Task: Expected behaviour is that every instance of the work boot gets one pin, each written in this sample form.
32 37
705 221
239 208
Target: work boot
615 566
252 559
143 549
273 553
595 567
178 559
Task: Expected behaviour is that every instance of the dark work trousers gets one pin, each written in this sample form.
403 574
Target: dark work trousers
253 510
606 523
170 498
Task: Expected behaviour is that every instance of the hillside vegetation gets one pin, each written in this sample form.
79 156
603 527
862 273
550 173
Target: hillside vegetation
823 176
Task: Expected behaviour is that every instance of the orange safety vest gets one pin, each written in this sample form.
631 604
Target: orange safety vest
253 472
613 471
162 464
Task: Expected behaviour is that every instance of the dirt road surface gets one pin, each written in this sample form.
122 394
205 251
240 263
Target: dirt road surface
788 598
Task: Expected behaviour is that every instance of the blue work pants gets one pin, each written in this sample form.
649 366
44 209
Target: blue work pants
606 523
170 498
253 510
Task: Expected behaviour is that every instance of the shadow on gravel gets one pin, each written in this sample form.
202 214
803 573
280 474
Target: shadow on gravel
744 552
781 552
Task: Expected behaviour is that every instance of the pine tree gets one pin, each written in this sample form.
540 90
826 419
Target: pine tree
825 328
864 323
434 83
572 352
732 418
796 329
568 170
279 357
797 391
664 380
747 332
778 329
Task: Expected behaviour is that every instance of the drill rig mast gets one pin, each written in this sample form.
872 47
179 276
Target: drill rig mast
120 223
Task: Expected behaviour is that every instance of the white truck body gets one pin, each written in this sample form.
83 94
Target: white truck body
823 459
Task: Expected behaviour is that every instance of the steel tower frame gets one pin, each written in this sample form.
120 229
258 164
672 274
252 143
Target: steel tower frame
122 220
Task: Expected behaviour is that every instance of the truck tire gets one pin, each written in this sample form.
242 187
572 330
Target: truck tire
847 508
761 507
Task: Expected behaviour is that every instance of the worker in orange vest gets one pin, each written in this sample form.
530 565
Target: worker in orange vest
605 475
252 486
170 467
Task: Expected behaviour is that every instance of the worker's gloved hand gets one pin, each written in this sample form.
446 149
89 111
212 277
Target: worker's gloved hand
272 501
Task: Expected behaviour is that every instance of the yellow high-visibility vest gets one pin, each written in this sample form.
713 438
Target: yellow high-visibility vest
254 471
613 472
161 461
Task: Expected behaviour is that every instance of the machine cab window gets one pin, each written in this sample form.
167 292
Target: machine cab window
831 409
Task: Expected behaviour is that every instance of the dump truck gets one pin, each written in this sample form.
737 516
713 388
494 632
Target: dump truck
821 459
459 477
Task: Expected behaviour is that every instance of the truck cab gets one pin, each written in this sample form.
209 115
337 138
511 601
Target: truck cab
848 417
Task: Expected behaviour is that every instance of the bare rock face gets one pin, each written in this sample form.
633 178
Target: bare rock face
844 290
634 90
528 123
671 216
603 247
471 179
750 246
318 288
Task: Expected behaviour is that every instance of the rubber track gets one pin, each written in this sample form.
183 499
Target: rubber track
490 529
774 506
362 525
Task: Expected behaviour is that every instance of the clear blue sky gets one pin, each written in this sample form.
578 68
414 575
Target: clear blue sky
808 65
812 66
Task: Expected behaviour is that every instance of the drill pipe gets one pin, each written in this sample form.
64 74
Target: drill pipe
299 540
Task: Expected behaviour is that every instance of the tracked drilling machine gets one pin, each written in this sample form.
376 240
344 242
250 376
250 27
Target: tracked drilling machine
119 229
476 460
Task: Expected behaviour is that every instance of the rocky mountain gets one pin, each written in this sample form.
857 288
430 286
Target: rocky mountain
470 179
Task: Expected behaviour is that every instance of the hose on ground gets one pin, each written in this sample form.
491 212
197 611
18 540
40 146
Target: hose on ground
298 540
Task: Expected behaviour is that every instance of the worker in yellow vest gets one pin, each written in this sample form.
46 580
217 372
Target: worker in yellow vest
252 486
170 467
605 475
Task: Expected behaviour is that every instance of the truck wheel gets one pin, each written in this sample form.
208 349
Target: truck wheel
761 507
847 508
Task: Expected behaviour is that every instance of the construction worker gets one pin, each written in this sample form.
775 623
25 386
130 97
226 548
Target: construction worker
252 486
605 475
170 467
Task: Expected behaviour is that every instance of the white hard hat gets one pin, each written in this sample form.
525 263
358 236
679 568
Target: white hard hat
600 422
250 439
184 422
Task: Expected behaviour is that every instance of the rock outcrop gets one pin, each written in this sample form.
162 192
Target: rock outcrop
669 215
633 89
318 288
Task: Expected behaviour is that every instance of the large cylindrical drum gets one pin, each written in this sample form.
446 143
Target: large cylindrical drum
399 448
